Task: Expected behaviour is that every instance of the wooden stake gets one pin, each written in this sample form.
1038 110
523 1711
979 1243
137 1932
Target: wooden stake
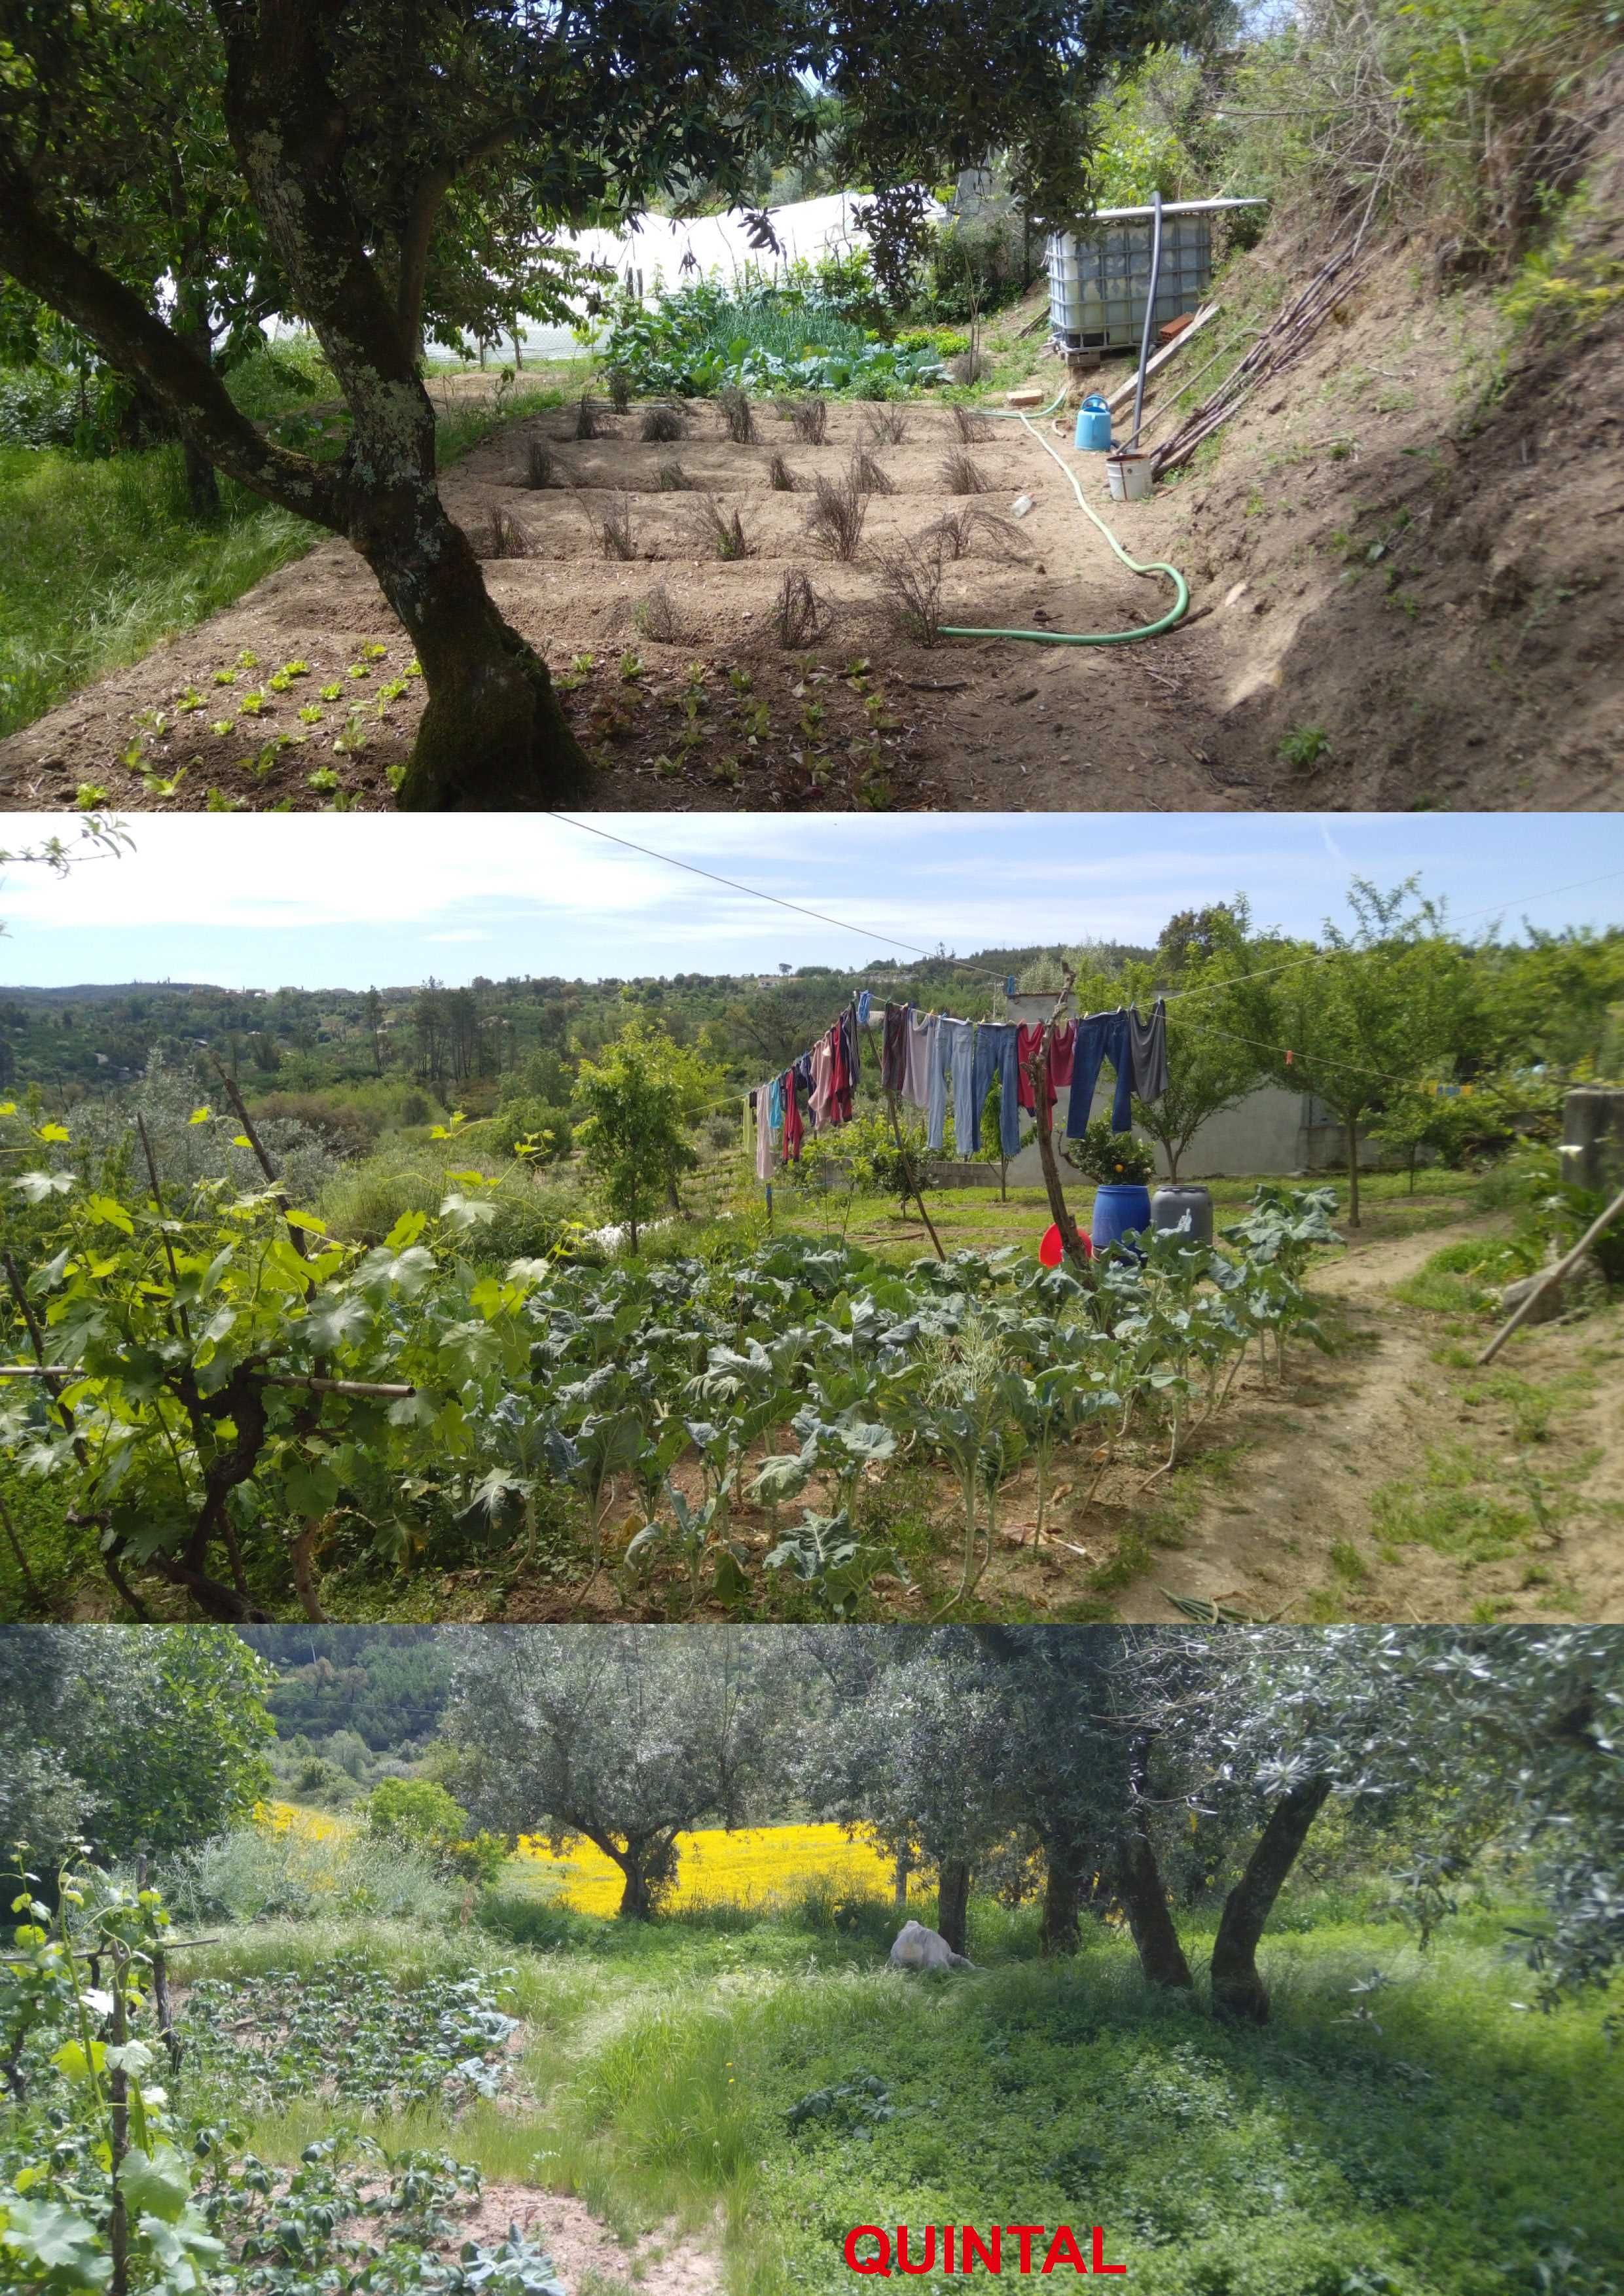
1551 1275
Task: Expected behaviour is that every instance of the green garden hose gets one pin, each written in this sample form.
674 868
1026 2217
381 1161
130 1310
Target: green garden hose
1181 588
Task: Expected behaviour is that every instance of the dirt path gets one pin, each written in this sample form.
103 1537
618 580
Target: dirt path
585 2252
1300 1506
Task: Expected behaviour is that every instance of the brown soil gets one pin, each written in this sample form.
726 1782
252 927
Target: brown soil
859 720
665 2263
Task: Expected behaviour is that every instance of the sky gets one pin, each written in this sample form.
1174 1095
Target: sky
325 901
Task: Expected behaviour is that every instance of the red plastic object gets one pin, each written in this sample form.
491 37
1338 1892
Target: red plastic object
1051 1252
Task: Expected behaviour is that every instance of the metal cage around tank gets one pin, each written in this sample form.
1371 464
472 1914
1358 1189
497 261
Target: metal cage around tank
1099 279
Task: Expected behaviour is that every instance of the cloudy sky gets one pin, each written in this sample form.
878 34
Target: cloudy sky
315 901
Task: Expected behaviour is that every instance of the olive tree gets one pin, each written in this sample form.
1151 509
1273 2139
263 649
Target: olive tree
915 1758
1380 1007
368 137
624 1735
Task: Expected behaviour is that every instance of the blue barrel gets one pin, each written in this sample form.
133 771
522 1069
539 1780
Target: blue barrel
1120 1211
1094 425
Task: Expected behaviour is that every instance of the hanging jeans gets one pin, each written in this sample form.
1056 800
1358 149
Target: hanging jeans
954 1062
1101 1036
994 1055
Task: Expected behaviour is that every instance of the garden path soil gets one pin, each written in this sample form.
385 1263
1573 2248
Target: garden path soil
664 2263
1262 1536
982 724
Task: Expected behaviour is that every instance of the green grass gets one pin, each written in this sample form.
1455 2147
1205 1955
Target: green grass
100 560
1409 2136
59 1556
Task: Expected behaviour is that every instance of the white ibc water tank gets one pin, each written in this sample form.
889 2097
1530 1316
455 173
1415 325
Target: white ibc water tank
1099 279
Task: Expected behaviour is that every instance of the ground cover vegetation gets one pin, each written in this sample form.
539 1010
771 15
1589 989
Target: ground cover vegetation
1274 1934
314 1340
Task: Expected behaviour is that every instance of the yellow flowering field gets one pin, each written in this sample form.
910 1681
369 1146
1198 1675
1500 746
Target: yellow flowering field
752 1866
312 1824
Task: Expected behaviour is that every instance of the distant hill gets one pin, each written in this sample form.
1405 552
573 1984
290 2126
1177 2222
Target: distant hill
98 1035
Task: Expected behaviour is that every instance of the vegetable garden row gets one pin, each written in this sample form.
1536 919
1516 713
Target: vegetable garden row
233 1397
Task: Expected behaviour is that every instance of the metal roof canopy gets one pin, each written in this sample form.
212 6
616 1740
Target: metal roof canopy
1170 207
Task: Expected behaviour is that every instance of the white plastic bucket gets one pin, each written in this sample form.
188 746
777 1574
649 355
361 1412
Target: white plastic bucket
1129 475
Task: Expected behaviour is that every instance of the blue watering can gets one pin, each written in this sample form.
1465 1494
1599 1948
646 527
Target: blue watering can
1094 425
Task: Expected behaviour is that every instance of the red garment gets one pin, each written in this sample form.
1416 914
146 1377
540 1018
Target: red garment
841 1094
1061 1043
791 1119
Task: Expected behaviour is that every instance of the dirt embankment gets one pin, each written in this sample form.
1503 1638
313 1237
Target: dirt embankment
1413 543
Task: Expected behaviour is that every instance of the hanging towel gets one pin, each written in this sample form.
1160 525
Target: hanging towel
791 1119
1148 1051
841 1093
894 1056
764 1135
920 1043
1026 1045
823 1081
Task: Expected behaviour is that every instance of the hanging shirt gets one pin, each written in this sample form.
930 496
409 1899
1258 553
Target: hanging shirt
917 1073
1063 1049
823 1081
863 1009
1148 1051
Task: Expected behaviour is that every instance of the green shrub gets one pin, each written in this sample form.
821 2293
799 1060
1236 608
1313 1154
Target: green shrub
544 1924
257 1873
362 1204
1111 1158
531 1120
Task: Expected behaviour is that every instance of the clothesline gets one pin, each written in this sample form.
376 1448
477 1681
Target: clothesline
928 1056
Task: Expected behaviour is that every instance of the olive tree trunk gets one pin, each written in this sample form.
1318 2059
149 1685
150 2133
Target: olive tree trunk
1140 1886
1238 1990
953 1904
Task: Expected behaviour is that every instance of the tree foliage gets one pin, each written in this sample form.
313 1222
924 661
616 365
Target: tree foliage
626 1736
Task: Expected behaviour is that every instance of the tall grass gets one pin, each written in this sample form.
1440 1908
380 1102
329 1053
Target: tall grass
100 560
1400 2125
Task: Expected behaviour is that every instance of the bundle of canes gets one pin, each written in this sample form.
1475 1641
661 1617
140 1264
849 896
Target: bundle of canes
1285 338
